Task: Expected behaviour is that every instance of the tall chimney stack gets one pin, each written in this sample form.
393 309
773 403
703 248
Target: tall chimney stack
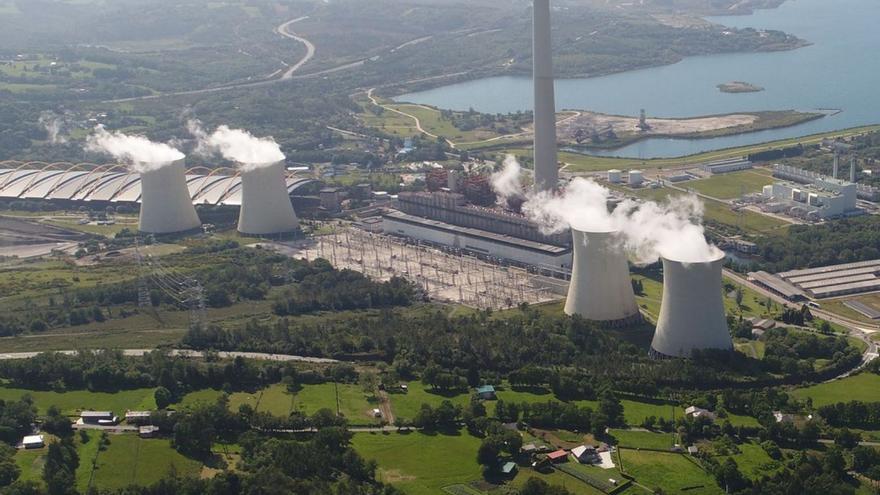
546 168
836 169
852 169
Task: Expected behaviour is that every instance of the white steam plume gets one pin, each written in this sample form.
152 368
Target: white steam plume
237 145
139 152
506 182
649 230
54 126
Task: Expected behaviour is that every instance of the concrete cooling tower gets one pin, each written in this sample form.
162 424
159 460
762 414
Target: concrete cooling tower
601 289
692 315
166 206
265 204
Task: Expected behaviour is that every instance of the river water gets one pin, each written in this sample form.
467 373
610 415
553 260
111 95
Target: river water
840 71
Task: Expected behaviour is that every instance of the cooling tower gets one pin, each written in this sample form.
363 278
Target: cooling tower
546 167
600 288
265 203
166 206
692 314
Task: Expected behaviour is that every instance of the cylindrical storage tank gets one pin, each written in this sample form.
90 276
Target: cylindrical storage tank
636 178
166 206
692 315
265 203
614 176
601 289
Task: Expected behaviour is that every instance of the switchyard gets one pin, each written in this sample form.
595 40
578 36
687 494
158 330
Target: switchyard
443 274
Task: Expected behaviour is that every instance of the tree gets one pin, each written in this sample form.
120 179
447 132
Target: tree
489 453
611 408
847 439
369 382
163 397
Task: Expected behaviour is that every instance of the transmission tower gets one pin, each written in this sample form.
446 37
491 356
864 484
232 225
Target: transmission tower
195 301
143 287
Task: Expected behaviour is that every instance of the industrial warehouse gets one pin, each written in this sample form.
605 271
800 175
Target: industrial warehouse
166 193
823 282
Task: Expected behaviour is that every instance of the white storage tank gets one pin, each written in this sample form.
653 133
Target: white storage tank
692 314
601 289
614 176
166 206
636 178
265 203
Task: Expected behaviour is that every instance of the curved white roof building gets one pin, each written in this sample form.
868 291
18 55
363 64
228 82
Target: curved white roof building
692 315
601 289
265 203
115 184
166 206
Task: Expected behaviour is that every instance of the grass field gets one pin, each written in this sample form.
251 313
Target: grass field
753 462
71 403
731 186
131 460
558 478
408 405
673 473
275 399
643 439
419 463
864 387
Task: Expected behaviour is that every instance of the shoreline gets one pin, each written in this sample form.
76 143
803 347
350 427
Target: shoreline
797 118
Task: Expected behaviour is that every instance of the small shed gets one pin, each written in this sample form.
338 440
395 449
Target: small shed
33 442
138 416
558 456
508 468
486 392
586 454
148 431
693 450
96 417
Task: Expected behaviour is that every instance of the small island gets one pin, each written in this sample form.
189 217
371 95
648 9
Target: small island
739 87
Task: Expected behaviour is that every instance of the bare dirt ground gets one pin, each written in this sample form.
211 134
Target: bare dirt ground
588 121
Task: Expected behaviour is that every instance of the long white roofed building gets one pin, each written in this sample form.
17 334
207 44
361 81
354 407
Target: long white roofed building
117 184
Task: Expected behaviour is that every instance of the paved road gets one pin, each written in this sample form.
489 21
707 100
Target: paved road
284 30
188 353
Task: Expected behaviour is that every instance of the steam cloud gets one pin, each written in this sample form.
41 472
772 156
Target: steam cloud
139 152
54 126
506 182
649 230
237 145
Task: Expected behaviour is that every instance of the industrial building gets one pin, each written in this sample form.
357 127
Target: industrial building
453 208
801 176
265 202
480 243
692 314
601 289
726 166
835 281
777 286
823 199
546 164
71 185
166 207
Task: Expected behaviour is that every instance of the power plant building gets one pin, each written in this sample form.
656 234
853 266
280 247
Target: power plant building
801 176
166 207
601 289
692 314
481 243
823 199
265 203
